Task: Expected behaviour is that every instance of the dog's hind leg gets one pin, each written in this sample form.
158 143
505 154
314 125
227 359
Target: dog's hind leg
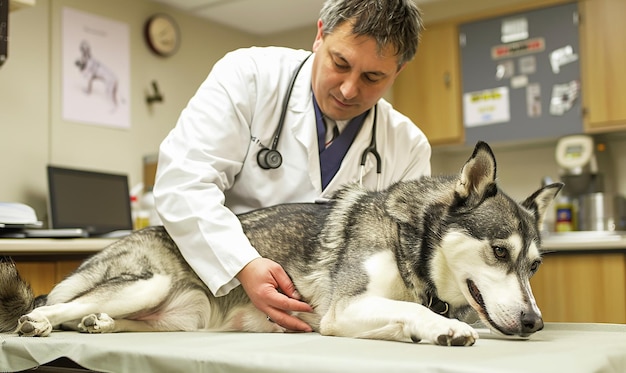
185 309
114 299
103 323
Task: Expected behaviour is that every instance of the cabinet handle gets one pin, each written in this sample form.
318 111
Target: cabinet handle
446 79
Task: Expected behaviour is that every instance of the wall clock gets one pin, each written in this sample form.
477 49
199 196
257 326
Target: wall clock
162 35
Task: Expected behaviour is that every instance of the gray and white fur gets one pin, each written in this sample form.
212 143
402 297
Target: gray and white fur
369 263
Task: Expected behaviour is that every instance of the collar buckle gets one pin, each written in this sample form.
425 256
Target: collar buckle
438 306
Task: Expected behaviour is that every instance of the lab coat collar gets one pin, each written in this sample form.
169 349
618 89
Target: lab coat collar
302 93
305 131
303 126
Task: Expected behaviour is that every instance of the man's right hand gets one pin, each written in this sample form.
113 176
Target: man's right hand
271 291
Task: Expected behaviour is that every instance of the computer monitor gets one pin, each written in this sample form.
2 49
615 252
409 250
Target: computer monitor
95 201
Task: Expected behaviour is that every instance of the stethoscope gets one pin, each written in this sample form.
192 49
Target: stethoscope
270 158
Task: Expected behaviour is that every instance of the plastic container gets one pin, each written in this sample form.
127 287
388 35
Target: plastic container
140 216
148 208
565 220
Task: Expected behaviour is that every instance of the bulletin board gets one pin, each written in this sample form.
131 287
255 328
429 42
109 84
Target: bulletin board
521 76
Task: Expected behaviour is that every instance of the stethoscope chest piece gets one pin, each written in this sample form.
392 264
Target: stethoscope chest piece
269 158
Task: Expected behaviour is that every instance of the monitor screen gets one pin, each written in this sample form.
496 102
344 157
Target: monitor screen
95 201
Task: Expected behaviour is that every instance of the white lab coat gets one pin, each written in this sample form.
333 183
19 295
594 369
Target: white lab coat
207 167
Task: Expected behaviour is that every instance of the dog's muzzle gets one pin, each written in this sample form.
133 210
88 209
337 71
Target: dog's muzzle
530 321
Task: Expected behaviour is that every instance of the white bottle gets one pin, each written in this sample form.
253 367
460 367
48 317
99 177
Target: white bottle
148 207
141 219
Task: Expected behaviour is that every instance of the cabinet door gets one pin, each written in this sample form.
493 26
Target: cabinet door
428 90
44 274
41 275
65 267
603 63
581 287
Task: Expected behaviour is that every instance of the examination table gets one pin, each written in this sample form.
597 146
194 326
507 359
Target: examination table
560 347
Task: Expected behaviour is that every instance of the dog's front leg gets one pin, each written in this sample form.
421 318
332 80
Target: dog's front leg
89 79
381 318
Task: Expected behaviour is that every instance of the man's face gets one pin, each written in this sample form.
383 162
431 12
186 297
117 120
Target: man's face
349 74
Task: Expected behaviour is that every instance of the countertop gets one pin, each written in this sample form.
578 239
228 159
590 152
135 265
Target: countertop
12 246
584 241
551 242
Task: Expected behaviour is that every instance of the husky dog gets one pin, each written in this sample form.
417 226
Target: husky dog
93 70
403 264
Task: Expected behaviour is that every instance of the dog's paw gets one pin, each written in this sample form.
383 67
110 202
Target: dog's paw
456 333
28 326
96 323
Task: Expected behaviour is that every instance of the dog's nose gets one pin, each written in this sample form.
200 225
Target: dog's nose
531 322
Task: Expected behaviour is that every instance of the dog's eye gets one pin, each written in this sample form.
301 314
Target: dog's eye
500 252
535 266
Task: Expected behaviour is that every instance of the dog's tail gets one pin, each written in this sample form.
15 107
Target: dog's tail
16 296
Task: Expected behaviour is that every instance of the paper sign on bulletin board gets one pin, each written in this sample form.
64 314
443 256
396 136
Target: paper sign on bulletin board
95 69
486 107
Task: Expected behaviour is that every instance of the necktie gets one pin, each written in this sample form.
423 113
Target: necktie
332 132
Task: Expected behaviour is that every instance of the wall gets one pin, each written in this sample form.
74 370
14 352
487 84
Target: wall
32 131
521 167
33 134
24 107
301 38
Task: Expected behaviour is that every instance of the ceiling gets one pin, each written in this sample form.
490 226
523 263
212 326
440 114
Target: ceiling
266 17
258 17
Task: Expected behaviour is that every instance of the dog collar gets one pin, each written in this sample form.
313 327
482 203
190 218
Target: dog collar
438 306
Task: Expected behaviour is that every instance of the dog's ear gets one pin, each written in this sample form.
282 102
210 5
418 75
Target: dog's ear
478 175
539 201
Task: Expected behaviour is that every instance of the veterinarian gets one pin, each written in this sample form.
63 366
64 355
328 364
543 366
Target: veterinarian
210 165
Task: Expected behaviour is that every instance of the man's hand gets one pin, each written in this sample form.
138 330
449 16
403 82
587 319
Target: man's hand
271 291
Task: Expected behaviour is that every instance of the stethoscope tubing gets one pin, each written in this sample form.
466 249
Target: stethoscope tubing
370 149
283 112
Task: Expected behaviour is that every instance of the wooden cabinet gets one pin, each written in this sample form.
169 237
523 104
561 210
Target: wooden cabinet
44 262
428 90
43 273
603 62
582 287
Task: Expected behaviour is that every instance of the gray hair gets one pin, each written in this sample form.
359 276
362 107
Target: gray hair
390 22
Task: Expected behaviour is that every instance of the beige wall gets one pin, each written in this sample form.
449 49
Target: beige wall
33 133
521 167
301 38
24 108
